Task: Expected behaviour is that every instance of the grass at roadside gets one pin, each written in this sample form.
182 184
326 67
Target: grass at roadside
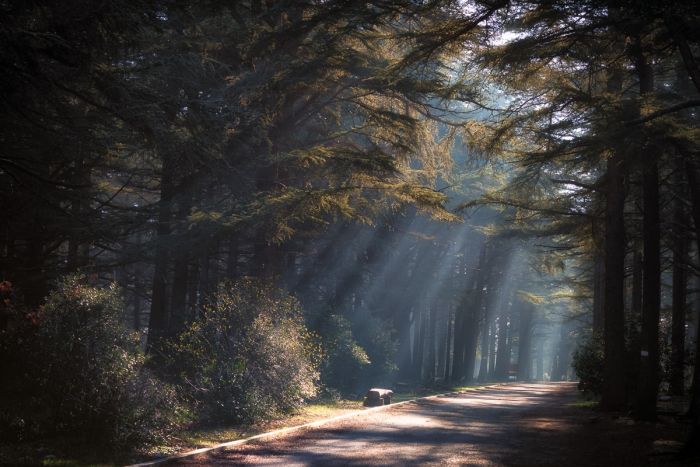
586 401
312 412
202 437
59 452
425 392
585 404
211 436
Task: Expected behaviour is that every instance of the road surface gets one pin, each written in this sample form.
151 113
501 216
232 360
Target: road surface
518 424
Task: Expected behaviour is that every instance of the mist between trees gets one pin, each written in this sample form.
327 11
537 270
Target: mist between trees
216 211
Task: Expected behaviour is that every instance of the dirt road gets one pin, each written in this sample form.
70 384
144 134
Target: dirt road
524 424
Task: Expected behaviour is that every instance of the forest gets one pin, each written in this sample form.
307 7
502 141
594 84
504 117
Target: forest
217 213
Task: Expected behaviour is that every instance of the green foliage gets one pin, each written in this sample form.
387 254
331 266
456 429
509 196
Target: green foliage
81 373
356 354
588 365
377 337
248 356
18 396
343 358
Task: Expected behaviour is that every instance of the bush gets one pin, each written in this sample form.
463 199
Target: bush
82 373
587 362
248 356
19 397
343 358
376 336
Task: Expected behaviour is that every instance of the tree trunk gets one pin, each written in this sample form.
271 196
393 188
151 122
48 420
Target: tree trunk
440 345
158 319
598 294
492 351
678 29
460 341
136 300
539 362
477 309
560 363
178 294
467 319
429 373
503 352
448 344
419 343
613 394
484 360
648 387
470 349
77 257
527 311
193 290
693 183
404 351
634 346
691 445
232 259
205 285
680 288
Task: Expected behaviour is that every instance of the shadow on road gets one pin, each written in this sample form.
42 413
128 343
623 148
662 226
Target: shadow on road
524 424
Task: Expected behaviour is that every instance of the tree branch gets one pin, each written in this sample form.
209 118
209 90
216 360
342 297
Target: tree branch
662 112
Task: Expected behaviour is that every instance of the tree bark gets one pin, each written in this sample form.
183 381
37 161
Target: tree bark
539 362
561 361
693 181
419 343
460 341
648 386
484 360
441 345
680 289
503 353
178 294
404 351
475 312
613 394
76 258
158 319
449 344
136 300
598 293
676 27
691 445
466 322
492 351
527 311
232 259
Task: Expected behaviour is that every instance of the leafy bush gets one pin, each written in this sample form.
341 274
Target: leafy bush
377 337
18 357
248 356
83 372
588 365
356 354
343 358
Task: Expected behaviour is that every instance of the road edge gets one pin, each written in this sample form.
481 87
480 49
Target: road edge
315 424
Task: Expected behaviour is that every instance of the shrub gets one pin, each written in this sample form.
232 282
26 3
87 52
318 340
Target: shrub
248 356
83 372
376 336
588 364
18 357
343 358
358 352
